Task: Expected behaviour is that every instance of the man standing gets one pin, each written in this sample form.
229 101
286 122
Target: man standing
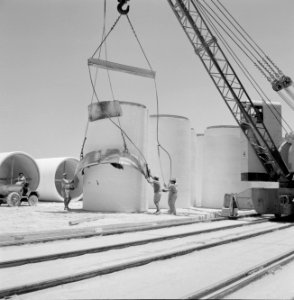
157 192
172 196
66 186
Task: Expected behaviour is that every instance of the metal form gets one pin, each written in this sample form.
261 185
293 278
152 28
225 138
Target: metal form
246 114
113 66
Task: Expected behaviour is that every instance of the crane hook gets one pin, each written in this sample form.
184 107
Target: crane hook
120 7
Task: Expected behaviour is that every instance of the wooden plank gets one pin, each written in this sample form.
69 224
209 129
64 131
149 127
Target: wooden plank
105 64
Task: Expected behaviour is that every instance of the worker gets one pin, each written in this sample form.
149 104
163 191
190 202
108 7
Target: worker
233 208
66 187
172 196
21 180
157 192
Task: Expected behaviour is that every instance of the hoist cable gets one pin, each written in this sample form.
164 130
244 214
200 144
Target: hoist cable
94 92
248 42
109 79
157 102
250 78
123 133
260 49
237 44
110 30
122 129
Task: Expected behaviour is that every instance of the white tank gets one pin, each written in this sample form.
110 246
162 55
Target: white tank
199 169
13 163
193 167
175 137
51 170
221 165
106 188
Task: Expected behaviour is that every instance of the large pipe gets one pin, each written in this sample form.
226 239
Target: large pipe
51 170
13 163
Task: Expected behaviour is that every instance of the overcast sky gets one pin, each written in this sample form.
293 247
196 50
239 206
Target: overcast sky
44 81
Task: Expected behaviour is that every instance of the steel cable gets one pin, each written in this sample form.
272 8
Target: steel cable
250 78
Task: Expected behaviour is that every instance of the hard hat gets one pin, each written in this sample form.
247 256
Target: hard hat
173 180
155 177
64 174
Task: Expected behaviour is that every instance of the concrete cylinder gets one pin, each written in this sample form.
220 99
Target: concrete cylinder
199 169
193 167
106 188
13 163
175 136
51 170
221 165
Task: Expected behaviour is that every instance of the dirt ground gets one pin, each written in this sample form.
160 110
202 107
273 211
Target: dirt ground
51 216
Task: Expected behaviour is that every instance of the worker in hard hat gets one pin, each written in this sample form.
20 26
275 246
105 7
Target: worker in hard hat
172 196
66 186
157 192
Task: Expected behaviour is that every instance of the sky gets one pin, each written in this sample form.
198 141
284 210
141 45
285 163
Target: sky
44 81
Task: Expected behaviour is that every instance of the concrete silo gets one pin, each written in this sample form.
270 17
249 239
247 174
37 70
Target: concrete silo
174 134
112 180
199 169
221 165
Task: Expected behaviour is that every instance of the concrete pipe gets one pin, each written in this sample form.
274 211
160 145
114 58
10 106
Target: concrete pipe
13 163
51 170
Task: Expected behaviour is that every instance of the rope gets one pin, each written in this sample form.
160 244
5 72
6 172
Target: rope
157 104
247 74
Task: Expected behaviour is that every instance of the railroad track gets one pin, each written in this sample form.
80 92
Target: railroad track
124 244
230 285
121 256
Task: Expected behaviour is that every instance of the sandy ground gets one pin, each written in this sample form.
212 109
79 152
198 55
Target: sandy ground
51 216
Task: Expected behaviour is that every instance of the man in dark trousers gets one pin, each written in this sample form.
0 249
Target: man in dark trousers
157 192
66 186
172 196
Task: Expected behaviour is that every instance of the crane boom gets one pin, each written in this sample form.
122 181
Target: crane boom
230 87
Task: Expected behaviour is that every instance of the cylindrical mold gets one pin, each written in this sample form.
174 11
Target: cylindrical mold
109 189
51 171
174 133
199 169
193 167
221 165
13 163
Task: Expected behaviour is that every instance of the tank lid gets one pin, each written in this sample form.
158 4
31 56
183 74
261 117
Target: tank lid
132 103
168 116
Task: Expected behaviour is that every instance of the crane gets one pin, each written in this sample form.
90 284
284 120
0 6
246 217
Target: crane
235 96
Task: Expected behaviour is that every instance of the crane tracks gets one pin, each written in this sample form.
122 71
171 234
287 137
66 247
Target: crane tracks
177 245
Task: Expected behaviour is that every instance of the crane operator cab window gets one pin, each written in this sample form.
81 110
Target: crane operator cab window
258 114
